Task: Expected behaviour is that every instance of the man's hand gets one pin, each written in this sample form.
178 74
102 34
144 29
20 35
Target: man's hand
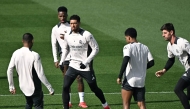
118 81
160 73
56 64
82 66
13 91
51 93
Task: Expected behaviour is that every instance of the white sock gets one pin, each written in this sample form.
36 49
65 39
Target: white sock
81 96
70 97
105 104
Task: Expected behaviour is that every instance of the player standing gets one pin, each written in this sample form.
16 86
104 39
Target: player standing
30 73
78 42
136 60
58 32
180 48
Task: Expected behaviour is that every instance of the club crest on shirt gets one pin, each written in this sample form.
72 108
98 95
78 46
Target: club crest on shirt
80 41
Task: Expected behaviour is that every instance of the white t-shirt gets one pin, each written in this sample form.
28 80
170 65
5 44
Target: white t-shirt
180 49
78 44
55 36
24 60
136 68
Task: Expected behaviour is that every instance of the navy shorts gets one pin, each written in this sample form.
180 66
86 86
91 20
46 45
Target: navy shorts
138 93
87 75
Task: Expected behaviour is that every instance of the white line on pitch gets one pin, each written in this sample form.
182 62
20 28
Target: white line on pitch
93 93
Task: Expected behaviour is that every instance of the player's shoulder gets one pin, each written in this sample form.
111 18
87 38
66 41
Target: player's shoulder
85 32
36 55
182 40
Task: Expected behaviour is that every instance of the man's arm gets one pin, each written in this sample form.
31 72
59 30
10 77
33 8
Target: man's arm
186 47
123 66
65 50
168 65
40 72
150 60
10 74
95 49
54 47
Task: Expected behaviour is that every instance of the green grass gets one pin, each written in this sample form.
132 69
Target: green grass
107 21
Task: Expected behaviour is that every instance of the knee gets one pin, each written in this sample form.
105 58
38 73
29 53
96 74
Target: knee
141 105
66 84
176 90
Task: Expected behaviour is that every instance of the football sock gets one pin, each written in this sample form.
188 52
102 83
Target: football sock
70 97
105 104
81 96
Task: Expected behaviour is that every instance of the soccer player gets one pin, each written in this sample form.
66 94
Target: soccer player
57 35
180 48
136 60
78 42
30 73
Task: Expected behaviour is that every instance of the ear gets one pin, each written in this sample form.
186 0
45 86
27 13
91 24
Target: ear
171 32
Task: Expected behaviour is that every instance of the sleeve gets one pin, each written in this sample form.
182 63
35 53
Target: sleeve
170 54
40 72
150 60
126 50
10 72
54 44
65 50
94 46
186 47
123 66
169 63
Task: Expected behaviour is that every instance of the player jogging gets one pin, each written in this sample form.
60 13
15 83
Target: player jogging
136 60
180 48
78 42
30 73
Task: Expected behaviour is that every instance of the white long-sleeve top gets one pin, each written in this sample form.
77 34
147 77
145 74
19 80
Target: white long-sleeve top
57 30
77 44
25 60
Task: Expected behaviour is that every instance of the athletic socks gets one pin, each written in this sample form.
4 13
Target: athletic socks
81 96
105 104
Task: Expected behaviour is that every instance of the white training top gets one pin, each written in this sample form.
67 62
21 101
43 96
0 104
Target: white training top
25 60
136 68
57 30
78 43
180 49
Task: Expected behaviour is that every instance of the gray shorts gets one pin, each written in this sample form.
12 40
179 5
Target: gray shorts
138 93
87 75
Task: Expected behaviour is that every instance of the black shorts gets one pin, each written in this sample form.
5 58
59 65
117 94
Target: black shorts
87 75
62 65
138 93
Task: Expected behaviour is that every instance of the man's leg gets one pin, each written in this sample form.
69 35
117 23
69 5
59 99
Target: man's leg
69 78
139 96
181 85
64 68
126 97
38 100
91 80
29 102
80 82
188 92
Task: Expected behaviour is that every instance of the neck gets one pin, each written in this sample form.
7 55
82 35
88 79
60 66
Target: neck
133 40
172 39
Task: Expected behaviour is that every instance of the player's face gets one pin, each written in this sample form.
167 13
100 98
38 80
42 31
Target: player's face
167 35
62 16
74 25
